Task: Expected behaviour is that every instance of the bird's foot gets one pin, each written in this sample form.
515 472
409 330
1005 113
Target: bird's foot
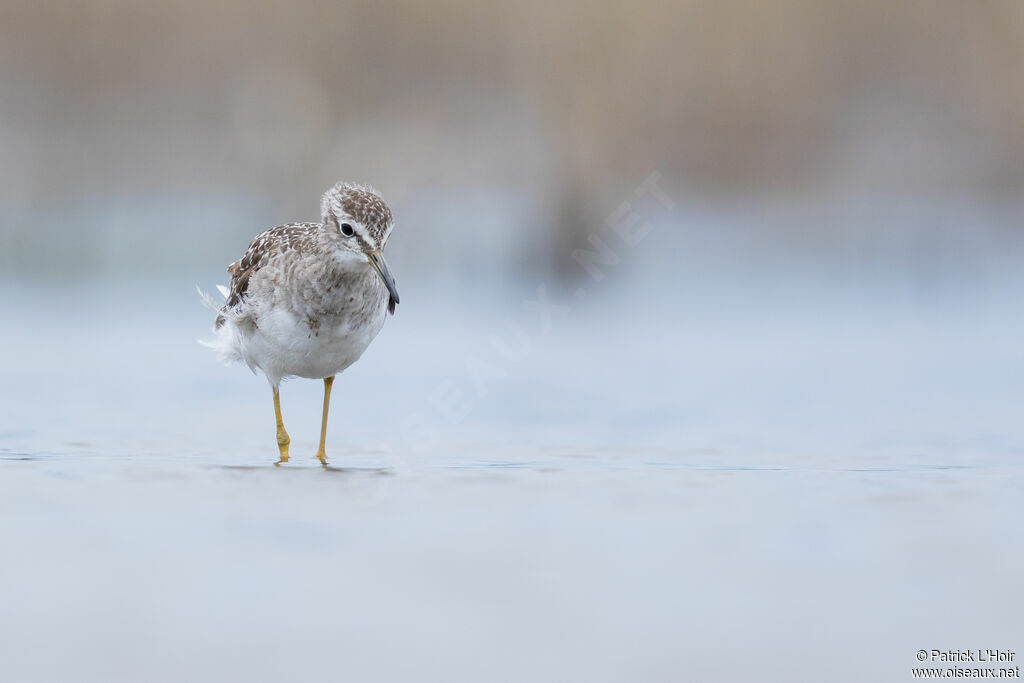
282 445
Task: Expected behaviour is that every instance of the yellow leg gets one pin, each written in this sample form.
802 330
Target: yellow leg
282 435
320 453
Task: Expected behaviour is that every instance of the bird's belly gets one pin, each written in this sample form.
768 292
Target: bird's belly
290 344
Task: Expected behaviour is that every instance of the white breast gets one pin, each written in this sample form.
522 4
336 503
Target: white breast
285 344
314 331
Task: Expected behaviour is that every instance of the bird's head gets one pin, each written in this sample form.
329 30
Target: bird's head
358 220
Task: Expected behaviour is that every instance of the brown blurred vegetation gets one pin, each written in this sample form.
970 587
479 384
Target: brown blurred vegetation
568 104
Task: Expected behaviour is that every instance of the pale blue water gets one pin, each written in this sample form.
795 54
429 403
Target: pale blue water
773 487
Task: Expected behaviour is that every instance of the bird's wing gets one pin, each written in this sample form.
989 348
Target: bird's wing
261 249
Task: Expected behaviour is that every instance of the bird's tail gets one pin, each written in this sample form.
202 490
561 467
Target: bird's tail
209 302
225 343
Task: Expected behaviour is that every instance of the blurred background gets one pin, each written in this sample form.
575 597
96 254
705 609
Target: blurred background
707 365
870 134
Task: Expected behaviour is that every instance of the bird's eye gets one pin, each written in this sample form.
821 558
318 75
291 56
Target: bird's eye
347 230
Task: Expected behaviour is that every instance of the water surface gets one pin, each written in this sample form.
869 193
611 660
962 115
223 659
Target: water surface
772 492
